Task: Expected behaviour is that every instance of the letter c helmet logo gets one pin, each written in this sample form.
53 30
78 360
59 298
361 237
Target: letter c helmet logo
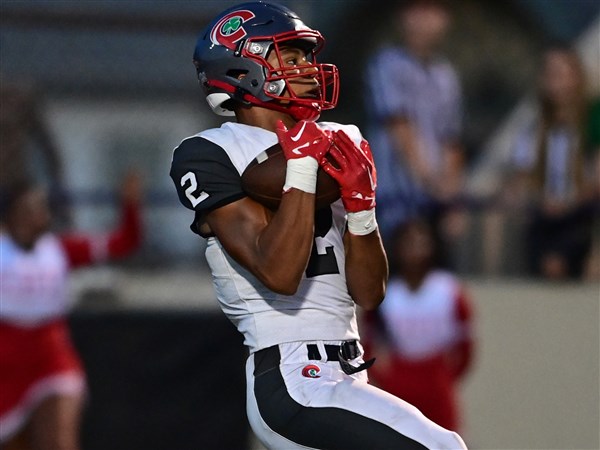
311 371
229 29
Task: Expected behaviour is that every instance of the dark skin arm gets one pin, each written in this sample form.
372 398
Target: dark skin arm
366 269
275 247
260 240
366 261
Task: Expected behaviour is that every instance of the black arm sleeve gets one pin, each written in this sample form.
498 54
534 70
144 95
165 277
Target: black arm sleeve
204 176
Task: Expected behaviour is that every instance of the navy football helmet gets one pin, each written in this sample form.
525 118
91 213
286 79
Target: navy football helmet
231 61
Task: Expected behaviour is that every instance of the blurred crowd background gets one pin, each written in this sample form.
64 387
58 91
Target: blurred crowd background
114 84
93 90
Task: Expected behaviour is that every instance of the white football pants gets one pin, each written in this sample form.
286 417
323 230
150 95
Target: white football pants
294 402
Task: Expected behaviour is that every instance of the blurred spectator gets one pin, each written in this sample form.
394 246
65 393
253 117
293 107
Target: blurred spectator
42 382
414 101
553 162
421 333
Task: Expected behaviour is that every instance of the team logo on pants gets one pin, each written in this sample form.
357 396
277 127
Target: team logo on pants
311 371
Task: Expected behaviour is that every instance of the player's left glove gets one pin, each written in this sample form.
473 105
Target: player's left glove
357 177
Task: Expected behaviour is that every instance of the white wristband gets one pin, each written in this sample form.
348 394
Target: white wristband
362 222
301 173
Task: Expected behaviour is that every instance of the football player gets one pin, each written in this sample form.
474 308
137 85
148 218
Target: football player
290 279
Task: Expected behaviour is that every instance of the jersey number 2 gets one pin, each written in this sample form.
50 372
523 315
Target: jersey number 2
322 259
189 191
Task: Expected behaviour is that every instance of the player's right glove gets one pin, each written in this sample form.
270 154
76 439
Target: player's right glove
357 178
303 146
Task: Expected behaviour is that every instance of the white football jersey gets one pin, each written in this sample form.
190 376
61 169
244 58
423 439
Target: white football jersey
207 171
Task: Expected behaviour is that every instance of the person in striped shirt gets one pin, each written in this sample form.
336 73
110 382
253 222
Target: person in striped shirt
414 101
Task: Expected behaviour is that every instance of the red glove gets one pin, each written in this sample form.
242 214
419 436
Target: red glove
303 146
356 174
365 148
304 139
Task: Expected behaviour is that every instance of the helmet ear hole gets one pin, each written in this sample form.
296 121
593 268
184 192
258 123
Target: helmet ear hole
237 74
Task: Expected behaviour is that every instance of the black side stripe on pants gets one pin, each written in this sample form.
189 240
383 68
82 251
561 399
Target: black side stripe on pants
323 428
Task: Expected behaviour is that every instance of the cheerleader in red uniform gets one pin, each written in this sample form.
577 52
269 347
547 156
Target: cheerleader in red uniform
421 333
42 383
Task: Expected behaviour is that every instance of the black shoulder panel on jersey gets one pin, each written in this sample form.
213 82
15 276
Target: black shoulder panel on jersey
204 176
